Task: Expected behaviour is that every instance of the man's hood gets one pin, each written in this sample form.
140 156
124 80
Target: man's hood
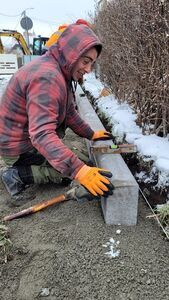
73 42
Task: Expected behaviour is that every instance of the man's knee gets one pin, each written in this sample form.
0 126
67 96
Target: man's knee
44 174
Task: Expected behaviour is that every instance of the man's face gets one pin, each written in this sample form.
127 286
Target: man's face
84 64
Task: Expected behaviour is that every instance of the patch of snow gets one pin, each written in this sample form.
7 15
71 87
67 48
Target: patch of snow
45 292
162 164
163 180
3 83
121 116
140 176
112 247
93 85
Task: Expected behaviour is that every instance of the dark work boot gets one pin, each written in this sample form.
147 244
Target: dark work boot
12 181
15 185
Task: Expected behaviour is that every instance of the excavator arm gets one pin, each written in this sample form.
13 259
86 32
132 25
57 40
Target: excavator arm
18 36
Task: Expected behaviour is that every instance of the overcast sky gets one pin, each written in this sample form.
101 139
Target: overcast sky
46 15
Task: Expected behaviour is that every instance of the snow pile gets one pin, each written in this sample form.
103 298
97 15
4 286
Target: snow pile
93 85
123 121
120 116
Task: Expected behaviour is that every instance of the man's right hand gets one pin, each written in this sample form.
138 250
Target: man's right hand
95 181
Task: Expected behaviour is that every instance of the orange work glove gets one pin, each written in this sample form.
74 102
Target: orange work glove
102 135
94 180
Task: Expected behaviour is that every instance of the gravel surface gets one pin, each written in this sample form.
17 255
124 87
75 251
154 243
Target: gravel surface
66 252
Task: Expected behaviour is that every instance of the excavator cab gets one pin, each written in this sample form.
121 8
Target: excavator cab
39 45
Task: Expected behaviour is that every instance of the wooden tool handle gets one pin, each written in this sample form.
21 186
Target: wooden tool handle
47 203
35 208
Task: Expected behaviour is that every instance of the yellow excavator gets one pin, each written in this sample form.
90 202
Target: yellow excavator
38 43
